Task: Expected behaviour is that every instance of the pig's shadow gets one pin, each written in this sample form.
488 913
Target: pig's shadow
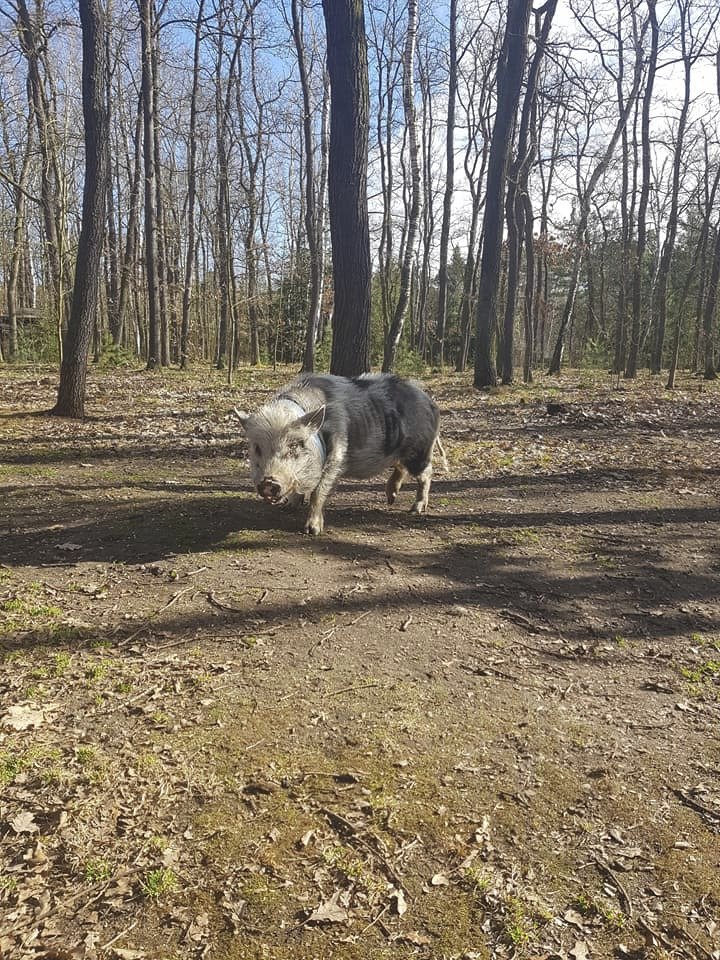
180 522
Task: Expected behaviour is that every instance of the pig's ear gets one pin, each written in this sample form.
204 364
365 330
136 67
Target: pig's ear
315 419
242 417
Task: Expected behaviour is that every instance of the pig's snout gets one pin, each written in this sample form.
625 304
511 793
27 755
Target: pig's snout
269 489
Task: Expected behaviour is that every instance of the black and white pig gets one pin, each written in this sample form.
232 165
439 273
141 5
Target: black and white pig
321 427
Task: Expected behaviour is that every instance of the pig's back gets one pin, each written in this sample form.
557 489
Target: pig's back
381 419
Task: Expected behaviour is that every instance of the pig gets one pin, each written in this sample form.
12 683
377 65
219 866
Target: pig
322 427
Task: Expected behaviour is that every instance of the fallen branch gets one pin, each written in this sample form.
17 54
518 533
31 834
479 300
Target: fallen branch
696 805
623 895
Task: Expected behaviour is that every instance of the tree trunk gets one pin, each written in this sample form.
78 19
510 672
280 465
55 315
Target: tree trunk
585 201
396 327
347 185
509 81
192 192
517 188
128 263
52 182
147 27
710 372
634 350
312 198
18 246
441 317
85 299
661 284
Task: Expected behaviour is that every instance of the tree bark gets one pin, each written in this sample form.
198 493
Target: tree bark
517 188
192 192
312 198
147 28
396 327
441 317
661 283
18 246
347 185
86 290
641 242
509 81
131 239
709 311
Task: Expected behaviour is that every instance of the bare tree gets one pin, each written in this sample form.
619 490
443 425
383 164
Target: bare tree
441 317
392 341
580 232
86 290
33 43
18 245
641 241
511 69
147 32
192 189
691 48
517 201
347 185
313 197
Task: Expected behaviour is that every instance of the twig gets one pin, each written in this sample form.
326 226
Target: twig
222 606
119 936
51 909
377 918
661 938
624 896
688 936
359 686
358 619
175 597
345 826
696 805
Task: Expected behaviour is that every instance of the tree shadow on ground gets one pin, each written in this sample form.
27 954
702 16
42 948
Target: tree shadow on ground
485 560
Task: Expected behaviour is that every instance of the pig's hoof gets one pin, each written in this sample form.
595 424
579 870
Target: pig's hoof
418 507
314 526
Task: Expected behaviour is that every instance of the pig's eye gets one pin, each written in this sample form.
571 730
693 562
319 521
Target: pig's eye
258 451
295 448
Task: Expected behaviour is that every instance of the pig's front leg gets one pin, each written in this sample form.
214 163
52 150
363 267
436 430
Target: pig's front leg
331 471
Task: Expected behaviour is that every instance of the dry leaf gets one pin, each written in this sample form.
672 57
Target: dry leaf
575 918
440 880
329 911
400 902
22 717
24 822
68 546
580 951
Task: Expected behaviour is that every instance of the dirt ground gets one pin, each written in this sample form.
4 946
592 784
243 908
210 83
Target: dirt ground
489 732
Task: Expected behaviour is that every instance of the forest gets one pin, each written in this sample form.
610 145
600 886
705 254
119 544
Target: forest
600 233
482 730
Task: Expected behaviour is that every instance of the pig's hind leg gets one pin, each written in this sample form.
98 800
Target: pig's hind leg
420 467
397 478
423 490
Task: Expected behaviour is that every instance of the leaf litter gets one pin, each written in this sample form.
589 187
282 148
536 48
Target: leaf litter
526 704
